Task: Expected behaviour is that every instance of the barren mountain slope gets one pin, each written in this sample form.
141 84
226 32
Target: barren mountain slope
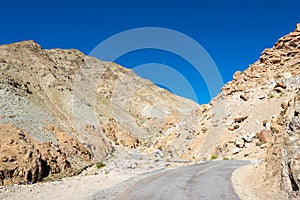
248 102
78 106
236 124
260 119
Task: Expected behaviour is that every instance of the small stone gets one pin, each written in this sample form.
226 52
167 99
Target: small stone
240 119
263 146
248 137
284 105
298 27
232 140
240 142
279 90
158 153
233 127
280 85
261 97
236 150
244 97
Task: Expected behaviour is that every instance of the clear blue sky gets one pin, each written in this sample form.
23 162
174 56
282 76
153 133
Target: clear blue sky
233 32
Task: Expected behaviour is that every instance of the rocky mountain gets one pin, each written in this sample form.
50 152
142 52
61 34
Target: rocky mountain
261 117
62 111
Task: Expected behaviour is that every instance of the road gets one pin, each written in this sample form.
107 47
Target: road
210 180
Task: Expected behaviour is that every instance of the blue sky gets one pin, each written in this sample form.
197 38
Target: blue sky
233 32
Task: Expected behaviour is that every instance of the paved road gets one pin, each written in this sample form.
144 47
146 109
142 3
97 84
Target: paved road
210 180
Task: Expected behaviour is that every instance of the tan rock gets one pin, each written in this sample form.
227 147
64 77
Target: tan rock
236 150
280 85
240 142
279 90
265 136
298 27
240 118
25 160
244 97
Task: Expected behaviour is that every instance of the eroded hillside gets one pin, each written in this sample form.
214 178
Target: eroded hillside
78 108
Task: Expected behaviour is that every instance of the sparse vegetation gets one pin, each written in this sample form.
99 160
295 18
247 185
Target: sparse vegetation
281 94
225 158
270 95
213 157
100 165
236 126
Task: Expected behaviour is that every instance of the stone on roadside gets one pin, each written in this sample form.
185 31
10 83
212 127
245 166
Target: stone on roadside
264 136
248 137
236 150
240 142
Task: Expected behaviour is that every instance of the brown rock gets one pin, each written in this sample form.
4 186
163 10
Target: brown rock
279 90
233 127
244 97
280 85
275 60
240 119
264 136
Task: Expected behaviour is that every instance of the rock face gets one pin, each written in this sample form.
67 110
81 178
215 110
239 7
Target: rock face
291 158
25 160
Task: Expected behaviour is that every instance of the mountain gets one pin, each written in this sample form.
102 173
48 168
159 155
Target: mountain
261 116
62 111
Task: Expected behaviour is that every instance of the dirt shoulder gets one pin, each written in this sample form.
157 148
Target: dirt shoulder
79 187
248 182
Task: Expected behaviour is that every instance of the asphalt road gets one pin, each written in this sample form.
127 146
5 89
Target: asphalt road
210 180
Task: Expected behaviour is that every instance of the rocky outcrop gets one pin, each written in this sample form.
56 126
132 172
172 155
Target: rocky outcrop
282 160
25 160
291 147
279 62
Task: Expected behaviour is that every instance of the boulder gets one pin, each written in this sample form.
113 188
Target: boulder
264 136
248 137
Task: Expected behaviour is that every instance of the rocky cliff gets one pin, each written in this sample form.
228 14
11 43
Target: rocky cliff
262 117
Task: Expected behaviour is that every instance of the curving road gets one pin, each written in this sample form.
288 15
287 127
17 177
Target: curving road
210 180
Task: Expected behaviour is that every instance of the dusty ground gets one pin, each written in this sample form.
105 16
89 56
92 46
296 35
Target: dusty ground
106 182
79 187
248 182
